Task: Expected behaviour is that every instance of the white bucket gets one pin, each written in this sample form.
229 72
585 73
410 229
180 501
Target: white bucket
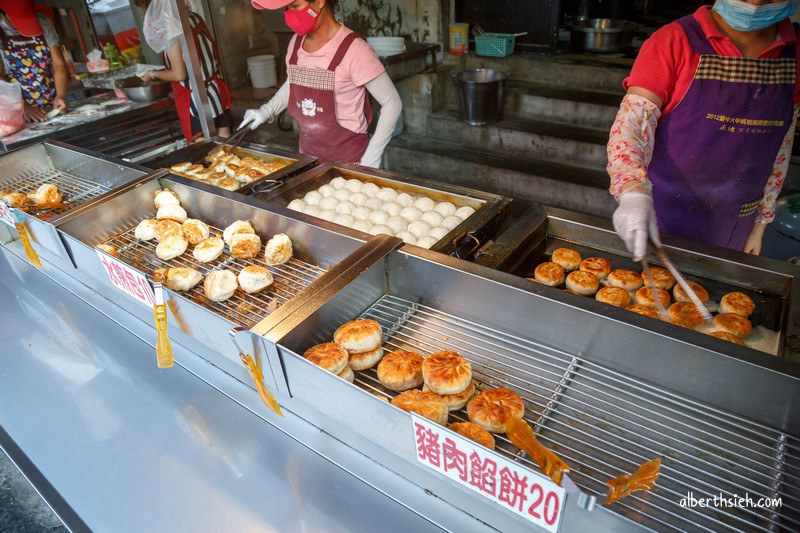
262 71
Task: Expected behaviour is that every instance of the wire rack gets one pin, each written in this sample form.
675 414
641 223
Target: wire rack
604 424
242 309
75 189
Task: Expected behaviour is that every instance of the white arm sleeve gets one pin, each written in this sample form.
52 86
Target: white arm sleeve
384 91
278 102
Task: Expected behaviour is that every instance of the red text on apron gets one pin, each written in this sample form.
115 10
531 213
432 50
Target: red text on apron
312 103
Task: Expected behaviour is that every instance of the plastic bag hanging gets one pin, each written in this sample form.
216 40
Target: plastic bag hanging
162 25
11 108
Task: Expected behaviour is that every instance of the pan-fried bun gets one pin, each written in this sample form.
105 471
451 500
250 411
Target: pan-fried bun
644 296
208 250
426 404
400 370
365 360
733 324
680 322
567 258
182 279
643 310
581 282
662 278
195 230
446 372
724 335
625 279
359 335
329 356
171 247
245 245
738 303
167 228
254 278
473 432
146 230
347 374
220 285
492 408
549 274
240 226
613 296
456 401
687 312
681 296
596 265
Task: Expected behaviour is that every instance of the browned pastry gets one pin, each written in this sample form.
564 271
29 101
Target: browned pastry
278 250
168 228
643 310
426 404
220 285
625 279
473 432
110 250
251 175
738 303
182 279
347 374
456 401
687 312
195 169
181 167
47 193
245 245
724 335
400 370
549 274
329 356
680 322
229 184
584 283
681 296
596 265
733 324
644 296
240 226
195 231
216 176
492 408
171 247
567 258
359 335
613 296
208 250
446 372
662 278
366 359
16 199
254 278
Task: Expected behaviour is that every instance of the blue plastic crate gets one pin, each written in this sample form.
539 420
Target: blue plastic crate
495 44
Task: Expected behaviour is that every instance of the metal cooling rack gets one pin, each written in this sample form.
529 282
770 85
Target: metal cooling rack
604 424
74 189
242 309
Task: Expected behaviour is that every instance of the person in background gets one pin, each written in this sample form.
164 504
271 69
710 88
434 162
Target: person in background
330 71
32 57
704 134
219 96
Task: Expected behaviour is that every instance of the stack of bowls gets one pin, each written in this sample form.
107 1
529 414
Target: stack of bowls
387 46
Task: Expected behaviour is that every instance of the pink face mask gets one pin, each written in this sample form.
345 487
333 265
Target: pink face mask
301 21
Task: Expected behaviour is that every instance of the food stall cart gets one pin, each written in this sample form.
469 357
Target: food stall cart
603 391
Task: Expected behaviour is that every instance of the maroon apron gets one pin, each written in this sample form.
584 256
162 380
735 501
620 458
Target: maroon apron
715 152
29 64
312 103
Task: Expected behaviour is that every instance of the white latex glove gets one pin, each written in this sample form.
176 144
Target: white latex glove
267 112
635 220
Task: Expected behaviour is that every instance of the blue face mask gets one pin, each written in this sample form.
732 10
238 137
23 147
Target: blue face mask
748 17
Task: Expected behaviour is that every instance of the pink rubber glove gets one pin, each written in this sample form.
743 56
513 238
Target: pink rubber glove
634 220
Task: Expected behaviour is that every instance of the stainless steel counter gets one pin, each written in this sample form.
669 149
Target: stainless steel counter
114 444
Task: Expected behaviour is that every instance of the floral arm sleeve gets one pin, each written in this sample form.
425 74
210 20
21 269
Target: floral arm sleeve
630 145
766 210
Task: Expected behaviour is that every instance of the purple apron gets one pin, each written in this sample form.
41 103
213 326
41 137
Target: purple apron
715 152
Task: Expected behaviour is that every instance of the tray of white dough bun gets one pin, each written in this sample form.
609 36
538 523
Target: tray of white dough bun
437 216
45 181
227 263
251 166
470 348
753 300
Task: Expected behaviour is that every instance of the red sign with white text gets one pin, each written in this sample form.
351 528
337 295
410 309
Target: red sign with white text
508 484
6 215
127 280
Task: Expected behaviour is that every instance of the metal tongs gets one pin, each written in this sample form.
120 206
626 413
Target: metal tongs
234 141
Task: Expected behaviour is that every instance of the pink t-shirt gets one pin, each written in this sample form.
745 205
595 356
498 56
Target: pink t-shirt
359 67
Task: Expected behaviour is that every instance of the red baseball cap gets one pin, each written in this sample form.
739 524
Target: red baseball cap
22 14
270 4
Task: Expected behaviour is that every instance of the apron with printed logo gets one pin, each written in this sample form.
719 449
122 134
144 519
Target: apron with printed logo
715 152
29 64
312 103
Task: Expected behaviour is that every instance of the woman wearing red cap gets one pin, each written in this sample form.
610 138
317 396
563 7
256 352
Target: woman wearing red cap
330 71
33 58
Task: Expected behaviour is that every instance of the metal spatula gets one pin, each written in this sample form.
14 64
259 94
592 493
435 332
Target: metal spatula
662 256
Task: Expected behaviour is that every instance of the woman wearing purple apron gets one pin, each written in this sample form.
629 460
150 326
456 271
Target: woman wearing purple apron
330 70
32 57
701 145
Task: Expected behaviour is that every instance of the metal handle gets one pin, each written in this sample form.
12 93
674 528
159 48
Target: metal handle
643 479
466 241
24 236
